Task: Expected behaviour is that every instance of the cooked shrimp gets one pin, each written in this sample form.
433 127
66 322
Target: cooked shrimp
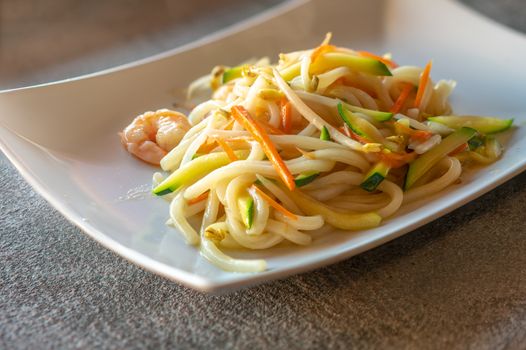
152 134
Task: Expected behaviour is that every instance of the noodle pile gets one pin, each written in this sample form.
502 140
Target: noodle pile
279 152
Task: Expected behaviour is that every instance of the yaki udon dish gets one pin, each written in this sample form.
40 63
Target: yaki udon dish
328 138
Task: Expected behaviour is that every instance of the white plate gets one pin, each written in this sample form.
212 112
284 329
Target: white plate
62 137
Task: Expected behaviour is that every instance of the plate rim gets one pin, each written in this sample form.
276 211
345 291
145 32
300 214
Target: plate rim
190 279
210 286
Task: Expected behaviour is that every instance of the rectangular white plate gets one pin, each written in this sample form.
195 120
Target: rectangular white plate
62 136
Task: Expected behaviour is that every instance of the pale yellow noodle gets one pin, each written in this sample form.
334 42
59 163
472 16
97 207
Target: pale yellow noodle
177 209
288 232
307 223
262 212
263 241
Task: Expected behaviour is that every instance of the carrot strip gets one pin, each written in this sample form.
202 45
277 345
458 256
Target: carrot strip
229 151
199 198
401 129
239 141
354 135
275 204
286 116
344 130
396 160
271 129
358 138
424 78
459 149
243 117
421 135
320 50
208 146
404 94
229 125
384 60
417 135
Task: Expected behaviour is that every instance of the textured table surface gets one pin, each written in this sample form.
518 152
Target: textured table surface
458 282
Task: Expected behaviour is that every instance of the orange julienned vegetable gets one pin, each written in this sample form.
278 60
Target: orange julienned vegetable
229 125
358 138
418 135
403 129
424 78
199 198
286 116
275 204
345 130
421 135
207 146
242 116
320 50
239 141
355 136
271 129
229 151
459 149
352 135
384 60
404 94
396 160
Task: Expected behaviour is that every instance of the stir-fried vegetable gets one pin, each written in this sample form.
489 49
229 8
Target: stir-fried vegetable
329 137
386 61
424 78
194 170
275 204
397 106
485 125
243 117
422 164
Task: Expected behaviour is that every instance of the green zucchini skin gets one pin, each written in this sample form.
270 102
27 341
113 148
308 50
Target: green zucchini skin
347 118
376 115
484 125
359 126
232 73
246 209
194 170
305 179
475 142
325 136
367 65
332 60
422 164
375 176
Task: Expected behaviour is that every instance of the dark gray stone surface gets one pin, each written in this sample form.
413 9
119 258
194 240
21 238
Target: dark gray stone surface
458 282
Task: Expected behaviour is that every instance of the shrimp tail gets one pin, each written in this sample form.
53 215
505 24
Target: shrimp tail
146 151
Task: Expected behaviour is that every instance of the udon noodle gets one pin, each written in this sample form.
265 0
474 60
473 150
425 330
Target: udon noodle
327 138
